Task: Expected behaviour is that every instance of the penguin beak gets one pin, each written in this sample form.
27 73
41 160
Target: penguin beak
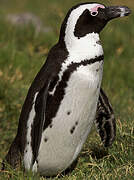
116 11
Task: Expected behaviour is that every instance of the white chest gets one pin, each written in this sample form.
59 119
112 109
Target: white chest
61 144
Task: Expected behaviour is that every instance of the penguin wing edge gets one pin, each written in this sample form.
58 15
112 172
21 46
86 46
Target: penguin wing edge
105 120
39 120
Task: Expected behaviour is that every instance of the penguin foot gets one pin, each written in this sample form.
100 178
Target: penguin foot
13 157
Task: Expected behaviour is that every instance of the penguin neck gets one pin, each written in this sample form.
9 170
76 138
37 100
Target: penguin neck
86 47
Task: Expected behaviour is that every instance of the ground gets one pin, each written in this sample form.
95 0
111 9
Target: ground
23 51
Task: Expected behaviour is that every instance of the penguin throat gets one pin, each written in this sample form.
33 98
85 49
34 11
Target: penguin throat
85 47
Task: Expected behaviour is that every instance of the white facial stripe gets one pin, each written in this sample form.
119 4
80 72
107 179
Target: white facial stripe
28 153
70 39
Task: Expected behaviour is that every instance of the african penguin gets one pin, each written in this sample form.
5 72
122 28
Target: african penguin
65 97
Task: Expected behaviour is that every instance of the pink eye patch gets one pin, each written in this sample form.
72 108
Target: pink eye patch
95 9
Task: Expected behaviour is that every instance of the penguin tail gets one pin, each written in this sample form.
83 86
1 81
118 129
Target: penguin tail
13 157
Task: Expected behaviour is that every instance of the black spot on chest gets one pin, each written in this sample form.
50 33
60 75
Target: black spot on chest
69 112
74 127
72 130
51 126
45 139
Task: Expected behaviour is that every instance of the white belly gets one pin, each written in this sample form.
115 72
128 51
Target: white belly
61 144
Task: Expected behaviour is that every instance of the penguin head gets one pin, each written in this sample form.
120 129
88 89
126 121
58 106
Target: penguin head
87 18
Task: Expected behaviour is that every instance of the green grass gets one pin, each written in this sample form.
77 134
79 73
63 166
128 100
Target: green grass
22 53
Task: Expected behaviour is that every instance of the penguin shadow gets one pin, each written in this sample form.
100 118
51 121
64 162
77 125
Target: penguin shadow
99 153
96 152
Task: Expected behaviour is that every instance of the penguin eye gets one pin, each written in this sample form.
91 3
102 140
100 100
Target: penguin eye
94 13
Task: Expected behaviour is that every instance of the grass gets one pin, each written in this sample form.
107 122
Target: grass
22 53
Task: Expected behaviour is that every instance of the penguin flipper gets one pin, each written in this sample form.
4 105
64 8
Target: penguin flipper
105 120
15 154
39 120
